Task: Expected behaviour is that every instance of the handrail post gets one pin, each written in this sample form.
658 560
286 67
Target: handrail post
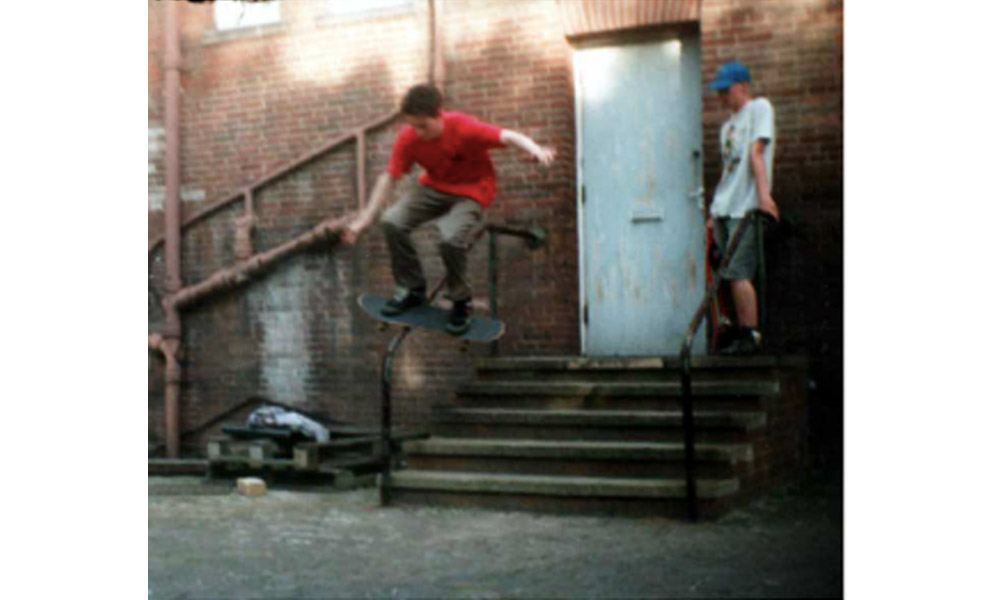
494 291
687 421
761 278
536 238
385 383
385 387
687 400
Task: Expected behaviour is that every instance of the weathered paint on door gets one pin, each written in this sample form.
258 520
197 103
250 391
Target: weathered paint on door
641 232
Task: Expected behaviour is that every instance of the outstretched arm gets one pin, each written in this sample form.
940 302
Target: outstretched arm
542 154
379 196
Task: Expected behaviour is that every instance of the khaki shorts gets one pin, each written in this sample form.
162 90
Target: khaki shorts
744 262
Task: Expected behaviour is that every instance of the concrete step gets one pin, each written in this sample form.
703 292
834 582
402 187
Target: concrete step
177 466
576 368
600 418
570 424
580 450
600 459
175 485
562 494
651 395
557 486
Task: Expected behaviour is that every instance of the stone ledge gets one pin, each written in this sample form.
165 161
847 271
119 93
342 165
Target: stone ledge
599 418
645 388
579 450
595 487
579 363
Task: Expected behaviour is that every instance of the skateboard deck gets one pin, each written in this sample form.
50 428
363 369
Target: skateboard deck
431 317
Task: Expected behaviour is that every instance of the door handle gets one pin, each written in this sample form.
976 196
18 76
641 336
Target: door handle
646 216
698 192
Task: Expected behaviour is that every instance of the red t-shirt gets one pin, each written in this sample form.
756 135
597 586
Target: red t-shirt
456 162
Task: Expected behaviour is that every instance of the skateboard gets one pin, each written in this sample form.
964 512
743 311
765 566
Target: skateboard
431 317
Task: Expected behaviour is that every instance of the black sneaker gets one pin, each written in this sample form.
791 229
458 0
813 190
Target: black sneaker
404 300
749 342
460 319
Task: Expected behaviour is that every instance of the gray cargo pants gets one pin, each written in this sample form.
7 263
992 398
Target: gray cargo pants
457 217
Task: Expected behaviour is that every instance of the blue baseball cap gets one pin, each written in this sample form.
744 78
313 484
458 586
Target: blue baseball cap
728 74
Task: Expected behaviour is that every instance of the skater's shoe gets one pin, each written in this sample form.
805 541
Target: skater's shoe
748 342
460 318
404 300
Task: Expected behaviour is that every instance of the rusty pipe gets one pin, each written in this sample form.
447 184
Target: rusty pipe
172 226
172 212
326 232
437 49
172 399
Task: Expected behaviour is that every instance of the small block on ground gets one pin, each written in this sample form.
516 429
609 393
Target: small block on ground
251 486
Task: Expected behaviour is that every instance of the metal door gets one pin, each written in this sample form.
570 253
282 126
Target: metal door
641 232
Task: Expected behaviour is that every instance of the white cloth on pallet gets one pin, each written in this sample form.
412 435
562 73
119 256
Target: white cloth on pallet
275 416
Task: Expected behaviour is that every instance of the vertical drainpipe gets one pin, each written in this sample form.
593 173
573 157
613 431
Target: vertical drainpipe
172 227
437 59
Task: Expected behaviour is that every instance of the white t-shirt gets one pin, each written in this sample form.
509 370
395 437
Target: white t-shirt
737 190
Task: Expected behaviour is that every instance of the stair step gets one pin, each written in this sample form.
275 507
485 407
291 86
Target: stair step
619 389
582 364
177 466
599 418
587 487
630 395
579 450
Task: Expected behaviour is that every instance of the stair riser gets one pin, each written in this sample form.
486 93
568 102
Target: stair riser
604 402
559 467
677 509
543 432
613 376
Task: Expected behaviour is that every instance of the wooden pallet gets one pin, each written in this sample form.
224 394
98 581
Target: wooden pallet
341 460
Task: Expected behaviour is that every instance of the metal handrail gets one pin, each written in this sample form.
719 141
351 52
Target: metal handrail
536 237
687 408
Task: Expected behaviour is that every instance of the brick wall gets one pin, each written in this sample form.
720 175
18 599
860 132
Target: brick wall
252 103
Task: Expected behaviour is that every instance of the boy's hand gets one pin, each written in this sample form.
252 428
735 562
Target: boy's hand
545 155
351 233
768 205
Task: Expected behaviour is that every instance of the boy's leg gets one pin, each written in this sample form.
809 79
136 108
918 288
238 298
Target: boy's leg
457 228
739 273
745 299
398 223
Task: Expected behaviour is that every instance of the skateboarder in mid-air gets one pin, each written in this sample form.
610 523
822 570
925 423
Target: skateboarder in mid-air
459 182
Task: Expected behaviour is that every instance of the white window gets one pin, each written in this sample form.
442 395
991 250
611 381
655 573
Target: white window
350 8
232 14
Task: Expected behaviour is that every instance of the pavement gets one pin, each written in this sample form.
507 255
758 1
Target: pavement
208 542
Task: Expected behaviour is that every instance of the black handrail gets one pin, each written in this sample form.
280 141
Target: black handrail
536 237
687 409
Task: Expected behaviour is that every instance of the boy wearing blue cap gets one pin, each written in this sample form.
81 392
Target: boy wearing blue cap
747 139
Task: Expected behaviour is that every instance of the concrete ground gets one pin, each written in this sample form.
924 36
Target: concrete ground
295 544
